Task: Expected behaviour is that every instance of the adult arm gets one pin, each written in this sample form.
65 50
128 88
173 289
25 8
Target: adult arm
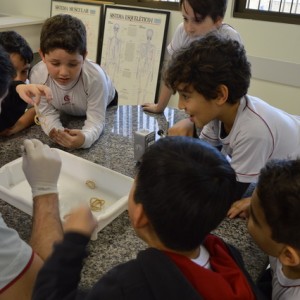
59 278
46 226
41 166
22 287
60 275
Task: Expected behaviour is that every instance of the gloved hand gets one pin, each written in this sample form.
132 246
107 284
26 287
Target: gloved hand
41 166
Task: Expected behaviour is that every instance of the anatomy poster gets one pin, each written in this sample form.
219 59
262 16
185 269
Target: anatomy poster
90 14
132 51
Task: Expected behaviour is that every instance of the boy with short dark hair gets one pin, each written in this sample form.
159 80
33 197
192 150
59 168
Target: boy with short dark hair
199 18
212 77
80 87
274 224
14 115
181 193
7 72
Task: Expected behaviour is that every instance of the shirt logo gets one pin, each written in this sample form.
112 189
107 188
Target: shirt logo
67 99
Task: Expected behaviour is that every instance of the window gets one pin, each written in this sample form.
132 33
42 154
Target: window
284 11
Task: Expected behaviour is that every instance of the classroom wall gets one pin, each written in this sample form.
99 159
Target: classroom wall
272 48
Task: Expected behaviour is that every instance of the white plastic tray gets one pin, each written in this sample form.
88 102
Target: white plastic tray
111 186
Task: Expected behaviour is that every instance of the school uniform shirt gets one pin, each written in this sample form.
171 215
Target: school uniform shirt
181 39
89 95
15 256
283 288
154 274
12 107
260 132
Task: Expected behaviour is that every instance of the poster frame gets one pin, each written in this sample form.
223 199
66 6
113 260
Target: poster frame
97 19
108 9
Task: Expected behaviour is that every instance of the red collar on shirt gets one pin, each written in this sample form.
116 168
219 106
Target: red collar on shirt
226 281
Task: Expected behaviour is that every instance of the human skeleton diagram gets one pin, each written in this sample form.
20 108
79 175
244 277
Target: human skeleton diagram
113 53
146 62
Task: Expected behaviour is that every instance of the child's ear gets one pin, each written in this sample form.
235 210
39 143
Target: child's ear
138 217
219 22
289 257
42 55
222 94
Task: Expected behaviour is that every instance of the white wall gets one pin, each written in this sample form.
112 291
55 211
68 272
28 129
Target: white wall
273 49
274 52
33 8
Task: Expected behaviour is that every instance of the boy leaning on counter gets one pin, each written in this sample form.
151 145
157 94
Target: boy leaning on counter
212 77
80 87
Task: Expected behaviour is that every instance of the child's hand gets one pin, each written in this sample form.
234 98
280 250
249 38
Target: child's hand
69 138
182 128
152 108
80 220
240 209
29 91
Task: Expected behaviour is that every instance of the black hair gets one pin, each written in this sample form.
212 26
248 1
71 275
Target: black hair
208 63
7 71
186 187
13 42
213 8
65 32
278 191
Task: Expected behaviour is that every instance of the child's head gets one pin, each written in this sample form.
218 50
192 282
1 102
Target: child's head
20 53
185 187
210 72
7 72
275 209
202 16
207 64
63 47
63 32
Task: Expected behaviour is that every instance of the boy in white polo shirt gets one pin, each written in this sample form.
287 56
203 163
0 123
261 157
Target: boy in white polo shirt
212 77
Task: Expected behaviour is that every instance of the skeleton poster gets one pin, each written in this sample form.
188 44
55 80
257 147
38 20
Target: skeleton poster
132 51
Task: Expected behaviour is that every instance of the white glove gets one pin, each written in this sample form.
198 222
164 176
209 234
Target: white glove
41 166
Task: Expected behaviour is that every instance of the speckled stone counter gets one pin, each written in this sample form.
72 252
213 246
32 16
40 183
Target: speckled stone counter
117 242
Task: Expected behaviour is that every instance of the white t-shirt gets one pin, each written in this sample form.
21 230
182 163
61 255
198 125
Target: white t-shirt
283 288
87 96
15 255
260 132
203 259
182 39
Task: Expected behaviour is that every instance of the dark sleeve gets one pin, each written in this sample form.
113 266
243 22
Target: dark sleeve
12 107
236 255
60 275
241 189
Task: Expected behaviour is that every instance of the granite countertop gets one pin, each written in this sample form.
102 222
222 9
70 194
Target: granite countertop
117 242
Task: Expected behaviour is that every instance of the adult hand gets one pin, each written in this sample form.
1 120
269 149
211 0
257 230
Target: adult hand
182 128
69 138
240 209
32 93
152 108
41 166
80 220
